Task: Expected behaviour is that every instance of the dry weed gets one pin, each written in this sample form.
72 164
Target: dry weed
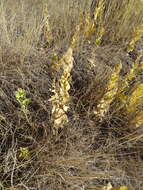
45 44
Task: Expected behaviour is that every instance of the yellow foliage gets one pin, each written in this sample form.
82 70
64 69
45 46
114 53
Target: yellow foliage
135 98
110 187
61 96
86 25
122 21
110 93
78 29
24 153
120 188
89 27
98 10
138 32
99 36
133 72
98 16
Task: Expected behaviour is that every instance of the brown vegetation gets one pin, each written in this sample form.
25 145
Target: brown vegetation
71 98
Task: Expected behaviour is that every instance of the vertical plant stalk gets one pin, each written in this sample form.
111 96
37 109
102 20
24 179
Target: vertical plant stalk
138 33
98 19
61 88
98 10
88 26
135 99
80 27
20 95
47 30
136 69
99 36
111 90
134 107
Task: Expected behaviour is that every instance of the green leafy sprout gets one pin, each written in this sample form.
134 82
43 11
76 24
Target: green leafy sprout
20 95
24 153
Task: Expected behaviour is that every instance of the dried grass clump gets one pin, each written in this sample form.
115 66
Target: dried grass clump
76 69
33 75
122 21
20 30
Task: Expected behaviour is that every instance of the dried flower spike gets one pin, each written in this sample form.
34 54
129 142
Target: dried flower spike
61 96
111 90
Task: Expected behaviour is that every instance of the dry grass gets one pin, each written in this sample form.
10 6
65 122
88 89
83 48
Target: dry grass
86 152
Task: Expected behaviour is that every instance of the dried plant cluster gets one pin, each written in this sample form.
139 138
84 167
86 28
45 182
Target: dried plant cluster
111 91
71 95
61 97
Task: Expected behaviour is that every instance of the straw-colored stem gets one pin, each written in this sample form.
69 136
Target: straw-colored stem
111 90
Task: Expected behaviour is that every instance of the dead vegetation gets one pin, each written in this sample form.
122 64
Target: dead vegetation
71 94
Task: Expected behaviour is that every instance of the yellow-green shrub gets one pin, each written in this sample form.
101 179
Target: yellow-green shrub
111 90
